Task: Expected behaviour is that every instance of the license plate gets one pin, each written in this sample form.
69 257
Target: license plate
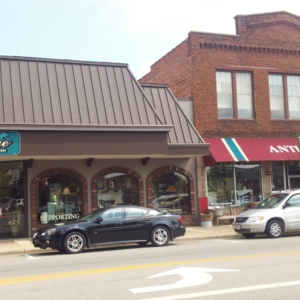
238 226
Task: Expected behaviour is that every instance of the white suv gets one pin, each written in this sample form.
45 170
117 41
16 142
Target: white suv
277 214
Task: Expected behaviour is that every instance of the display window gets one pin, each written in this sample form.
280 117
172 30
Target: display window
11 200
229 183
220 183
117 189
59 199
170 192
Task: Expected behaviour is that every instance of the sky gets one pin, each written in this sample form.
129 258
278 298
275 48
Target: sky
135 32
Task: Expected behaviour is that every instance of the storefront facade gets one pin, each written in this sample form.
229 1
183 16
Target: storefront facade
79 136
240 171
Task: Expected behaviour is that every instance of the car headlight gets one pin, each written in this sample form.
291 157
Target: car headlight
256 219
49 231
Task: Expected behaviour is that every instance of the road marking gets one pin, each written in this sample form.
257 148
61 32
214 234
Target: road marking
227 241
31 257
228 291
190 277
41 277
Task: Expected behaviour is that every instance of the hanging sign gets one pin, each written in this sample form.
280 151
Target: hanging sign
9 143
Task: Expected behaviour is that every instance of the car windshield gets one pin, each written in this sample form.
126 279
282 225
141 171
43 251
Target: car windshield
272 201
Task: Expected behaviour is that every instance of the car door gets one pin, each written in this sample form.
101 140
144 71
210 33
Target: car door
110 230
292 212
137 224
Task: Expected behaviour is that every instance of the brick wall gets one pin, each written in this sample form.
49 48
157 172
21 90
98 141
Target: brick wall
266 43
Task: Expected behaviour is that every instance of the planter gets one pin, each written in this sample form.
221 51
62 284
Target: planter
218 213
14 230
206 223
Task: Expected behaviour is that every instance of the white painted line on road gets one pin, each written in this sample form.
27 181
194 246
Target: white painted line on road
31 257
228 291
228 241
190 277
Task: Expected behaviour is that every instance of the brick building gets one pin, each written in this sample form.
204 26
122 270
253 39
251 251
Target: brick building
245 90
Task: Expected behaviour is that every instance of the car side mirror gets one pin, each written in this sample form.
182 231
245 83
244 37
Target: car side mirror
287 204
99 220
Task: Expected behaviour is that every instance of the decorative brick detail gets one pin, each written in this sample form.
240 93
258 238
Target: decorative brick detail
33 193
188 219
115 170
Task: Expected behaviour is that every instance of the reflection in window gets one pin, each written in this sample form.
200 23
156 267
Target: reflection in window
11 200
59 199
117 189
170 192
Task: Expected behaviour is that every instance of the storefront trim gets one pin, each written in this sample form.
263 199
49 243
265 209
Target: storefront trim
243 150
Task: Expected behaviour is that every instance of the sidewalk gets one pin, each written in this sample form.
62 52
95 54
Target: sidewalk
25 246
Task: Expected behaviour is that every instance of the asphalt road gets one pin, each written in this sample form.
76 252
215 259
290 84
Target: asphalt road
229 268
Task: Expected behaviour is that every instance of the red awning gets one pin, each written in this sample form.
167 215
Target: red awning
260 149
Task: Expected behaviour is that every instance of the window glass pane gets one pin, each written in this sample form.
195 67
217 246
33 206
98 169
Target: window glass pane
170 192
244 95
59 199
117 189
220 183
248 183
293 85
11 200
276 97
278 177
224 95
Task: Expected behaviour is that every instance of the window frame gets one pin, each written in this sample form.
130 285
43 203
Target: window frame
233 74
285 96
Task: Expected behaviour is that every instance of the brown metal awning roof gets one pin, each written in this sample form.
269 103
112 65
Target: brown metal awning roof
72 95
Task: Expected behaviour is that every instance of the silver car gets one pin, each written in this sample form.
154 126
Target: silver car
277 214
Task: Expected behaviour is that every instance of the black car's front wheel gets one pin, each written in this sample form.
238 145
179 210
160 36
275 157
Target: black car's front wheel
74 242
160 236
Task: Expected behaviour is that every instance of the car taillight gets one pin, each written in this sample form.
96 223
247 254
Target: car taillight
179 219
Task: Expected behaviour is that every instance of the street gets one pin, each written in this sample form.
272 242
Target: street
259 268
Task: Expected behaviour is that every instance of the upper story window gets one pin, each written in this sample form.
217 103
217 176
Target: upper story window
234 92
284 96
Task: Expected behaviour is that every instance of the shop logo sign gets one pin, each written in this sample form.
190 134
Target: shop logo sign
9 143
286 149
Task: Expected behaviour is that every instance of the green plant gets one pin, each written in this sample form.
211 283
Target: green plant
14 223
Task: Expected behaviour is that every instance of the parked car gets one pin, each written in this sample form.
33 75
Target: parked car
115 224
277 214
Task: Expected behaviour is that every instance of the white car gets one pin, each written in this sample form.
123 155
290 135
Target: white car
277 214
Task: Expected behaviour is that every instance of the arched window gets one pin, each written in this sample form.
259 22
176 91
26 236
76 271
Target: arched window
117 189
170 192
59 199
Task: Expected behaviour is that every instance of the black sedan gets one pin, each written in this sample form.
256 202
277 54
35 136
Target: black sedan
112 225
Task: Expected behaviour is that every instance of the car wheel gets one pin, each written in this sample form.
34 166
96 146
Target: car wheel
248 235
274 229
160 236
142 244
74 242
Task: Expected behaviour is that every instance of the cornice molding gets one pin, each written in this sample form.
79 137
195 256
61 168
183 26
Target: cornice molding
265 24
258 49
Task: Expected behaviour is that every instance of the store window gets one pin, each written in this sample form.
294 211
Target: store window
170 192
284 93
248 183
117 189
59 199
11 200
220 183
293 169
234 95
